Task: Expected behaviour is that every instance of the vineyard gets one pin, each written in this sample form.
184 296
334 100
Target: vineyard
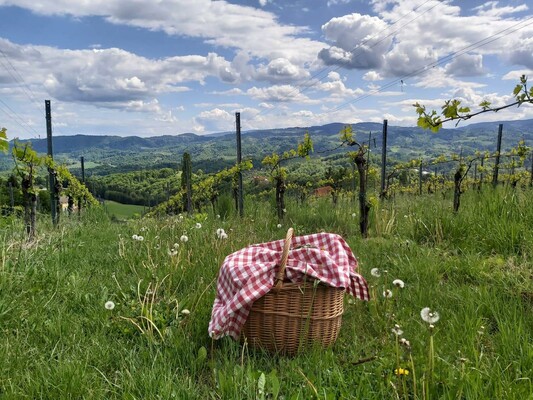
96 307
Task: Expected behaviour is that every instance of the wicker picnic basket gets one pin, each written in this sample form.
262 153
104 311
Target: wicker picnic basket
294 316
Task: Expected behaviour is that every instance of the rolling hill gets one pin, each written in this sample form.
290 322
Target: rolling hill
105 154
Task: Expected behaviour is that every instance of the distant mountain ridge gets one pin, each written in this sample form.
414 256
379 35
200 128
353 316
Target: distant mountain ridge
107 154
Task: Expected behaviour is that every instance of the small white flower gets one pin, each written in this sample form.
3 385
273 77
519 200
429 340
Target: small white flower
405 342
429 315
172 252
184 238
109 305
353 215
185 312
387 293
218 216
398 283
375 272
284 210
198 225
279 225
396 330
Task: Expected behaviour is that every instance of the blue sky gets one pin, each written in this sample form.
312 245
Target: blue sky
156 67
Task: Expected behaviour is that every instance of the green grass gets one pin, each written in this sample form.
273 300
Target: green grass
474 268
123 211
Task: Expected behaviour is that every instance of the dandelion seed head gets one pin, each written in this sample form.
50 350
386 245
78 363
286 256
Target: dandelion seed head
184 238
185 312
396 330
109 305
198 225
429 316
140 238
375 272
279 225
172 252
387 293
398 283
135 237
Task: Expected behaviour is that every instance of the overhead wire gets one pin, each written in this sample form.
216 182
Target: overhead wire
18 119
449 57
311 82
26 89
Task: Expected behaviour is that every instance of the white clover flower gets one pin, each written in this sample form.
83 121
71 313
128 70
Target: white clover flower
387 293
397 330
184 238
172 252
185 312
198 225
398 283
109 305
429 315
375 272
279 225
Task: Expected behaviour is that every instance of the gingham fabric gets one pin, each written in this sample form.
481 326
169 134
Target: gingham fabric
249 273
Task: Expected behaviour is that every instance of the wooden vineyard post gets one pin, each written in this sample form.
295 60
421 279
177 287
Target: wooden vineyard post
364 207
384 159
51 176
498 151
186 184
420 178
240 202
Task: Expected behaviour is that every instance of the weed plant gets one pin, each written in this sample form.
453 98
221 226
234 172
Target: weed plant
96 309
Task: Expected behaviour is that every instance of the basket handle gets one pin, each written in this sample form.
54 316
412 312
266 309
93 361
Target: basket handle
281 272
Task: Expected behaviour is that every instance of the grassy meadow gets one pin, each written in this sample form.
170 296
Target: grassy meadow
123 211
60 341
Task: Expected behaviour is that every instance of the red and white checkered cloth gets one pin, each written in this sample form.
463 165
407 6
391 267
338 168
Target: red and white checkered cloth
249 274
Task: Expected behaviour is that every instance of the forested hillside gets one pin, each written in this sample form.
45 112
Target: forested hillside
111 154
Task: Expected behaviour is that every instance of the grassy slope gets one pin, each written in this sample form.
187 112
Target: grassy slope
123 211
58 340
